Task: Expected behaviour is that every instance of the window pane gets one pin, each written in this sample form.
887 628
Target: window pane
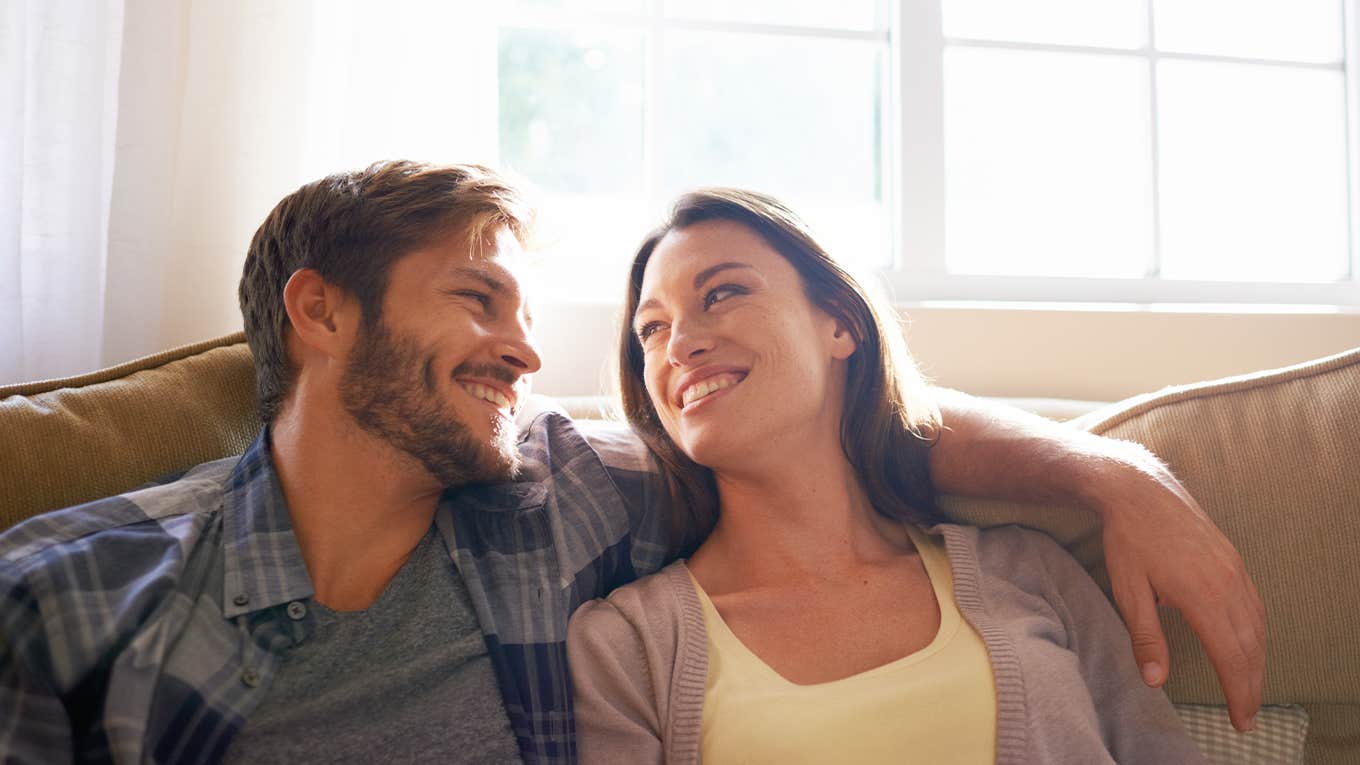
571 121
1253 182
1047 164
844 14
571 109
796 117
1299 30
1105 23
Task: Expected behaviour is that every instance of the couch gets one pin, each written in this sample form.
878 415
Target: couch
1273 457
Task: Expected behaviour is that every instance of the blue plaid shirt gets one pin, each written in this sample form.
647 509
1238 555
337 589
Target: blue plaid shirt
148 626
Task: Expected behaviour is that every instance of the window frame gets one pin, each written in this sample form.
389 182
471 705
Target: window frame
919 273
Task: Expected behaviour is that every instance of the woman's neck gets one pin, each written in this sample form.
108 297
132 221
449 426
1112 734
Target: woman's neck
808 518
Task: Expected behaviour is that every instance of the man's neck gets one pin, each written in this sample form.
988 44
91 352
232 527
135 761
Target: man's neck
358 506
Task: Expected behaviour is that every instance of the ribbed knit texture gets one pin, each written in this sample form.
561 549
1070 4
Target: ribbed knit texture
1012 732
689 677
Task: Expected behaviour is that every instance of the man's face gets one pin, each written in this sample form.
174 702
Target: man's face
440 376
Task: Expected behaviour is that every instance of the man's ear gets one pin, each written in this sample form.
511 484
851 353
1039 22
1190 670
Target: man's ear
322 315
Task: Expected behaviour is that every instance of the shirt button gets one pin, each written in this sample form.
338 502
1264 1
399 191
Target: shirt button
296 610
250 678
241 599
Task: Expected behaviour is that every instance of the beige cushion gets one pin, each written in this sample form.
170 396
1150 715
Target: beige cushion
67 441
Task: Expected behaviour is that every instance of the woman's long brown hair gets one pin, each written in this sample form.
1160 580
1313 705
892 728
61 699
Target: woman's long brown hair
888 422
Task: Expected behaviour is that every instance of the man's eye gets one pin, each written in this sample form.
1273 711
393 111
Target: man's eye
481 297
722 292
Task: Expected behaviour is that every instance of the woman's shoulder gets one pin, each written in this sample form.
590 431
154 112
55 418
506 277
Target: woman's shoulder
655 606
1011 542
1023 557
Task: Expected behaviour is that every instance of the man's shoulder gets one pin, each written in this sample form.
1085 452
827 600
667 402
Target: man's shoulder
158 511
80 582
613 443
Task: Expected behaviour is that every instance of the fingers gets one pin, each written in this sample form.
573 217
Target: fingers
1248 621
1229 621
1138 603
1230 638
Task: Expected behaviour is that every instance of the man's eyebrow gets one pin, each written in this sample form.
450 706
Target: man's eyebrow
699 279
495 285
491 282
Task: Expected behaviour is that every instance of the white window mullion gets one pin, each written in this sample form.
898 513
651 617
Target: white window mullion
918 63
1350 25
1154 269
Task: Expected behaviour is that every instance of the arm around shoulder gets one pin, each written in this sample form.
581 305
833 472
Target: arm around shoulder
1138 723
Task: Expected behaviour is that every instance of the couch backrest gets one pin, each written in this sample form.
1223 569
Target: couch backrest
76 439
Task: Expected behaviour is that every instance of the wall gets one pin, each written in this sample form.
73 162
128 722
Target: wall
1092 353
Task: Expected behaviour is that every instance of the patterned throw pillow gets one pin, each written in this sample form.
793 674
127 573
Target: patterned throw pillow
1277 740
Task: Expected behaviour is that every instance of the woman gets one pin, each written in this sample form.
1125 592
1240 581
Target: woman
825 613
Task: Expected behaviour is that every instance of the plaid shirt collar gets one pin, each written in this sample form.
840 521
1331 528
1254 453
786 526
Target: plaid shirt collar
263 565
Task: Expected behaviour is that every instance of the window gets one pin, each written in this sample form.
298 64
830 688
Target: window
613 108
1056 150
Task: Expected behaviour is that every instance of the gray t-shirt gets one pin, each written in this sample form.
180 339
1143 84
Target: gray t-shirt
406 680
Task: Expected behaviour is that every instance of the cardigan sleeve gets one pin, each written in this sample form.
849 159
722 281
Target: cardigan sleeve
617 720
1137 723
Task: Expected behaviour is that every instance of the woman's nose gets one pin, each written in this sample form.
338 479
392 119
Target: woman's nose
688 340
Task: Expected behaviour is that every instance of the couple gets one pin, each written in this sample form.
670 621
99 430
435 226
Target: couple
390 568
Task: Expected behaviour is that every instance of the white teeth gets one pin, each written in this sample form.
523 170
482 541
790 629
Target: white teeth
704 387
486 394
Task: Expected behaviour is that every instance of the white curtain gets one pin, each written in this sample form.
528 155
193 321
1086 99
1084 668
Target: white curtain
143 141
58 98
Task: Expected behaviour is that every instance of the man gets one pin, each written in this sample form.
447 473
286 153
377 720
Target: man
328 596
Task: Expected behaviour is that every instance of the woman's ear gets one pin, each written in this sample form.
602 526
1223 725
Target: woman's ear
321 314
843 342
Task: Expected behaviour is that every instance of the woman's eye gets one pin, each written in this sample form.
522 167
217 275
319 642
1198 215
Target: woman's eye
722 292
647 330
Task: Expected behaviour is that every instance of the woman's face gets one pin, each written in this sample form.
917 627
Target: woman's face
738 362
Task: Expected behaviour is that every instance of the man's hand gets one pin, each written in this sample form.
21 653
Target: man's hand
1160 547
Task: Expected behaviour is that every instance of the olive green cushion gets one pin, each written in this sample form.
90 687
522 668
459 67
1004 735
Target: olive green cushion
76 439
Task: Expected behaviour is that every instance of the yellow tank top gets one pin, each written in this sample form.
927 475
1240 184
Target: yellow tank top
937 705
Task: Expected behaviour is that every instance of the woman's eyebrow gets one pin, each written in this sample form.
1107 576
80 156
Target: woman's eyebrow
709 272
699 279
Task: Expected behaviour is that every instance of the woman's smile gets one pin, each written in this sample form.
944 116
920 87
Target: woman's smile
706 383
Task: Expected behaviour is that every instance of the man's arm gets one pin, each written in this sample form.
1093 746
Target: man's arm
1160 546
34 726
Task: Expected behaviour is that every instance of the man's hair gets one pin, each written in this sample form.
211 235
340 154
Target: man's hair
351 228
889 421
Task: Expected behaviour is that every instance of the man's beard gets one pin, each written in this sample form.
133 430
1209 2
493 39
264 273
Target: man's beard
393 395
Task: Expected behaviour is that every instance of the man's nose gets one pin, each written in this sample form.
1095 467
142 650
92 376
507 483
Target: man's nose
517 349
